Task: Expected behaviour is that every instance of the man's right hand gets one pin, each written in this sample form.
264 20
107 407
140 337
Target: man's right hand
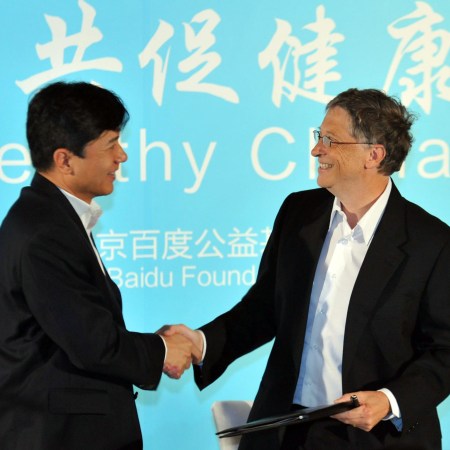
181 351
195 336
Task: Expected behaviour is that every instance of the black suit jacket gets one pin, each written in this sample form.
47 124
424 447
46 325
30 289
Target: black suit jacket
397 331
67 362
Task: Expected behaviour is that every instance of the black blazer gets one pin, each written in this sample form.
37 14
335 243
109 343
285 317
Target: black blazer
397 331
67 362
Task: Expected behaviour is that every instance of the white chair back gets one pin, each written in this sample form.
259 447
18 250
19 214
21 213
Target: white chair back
230 413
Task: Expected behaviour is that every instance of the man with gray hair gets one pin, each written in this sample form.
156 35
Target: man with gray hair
354 288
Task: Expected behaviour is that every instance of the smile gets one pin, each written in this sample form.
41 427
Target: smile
325 166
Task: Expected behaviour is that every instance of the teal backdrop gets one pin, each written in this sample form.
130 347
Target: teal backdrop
223 97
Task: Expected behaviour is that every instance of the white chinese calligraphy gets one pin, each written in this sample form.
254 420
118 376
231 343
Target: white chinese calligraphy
200 61
198 43
55 50
427 49
317 54
150 53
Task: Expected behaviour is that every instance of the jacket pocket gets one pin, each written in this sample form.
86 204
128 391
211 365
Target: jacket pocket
78 401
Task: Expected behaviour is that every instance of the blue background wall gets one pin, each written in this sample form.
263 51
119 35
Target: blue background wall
223 96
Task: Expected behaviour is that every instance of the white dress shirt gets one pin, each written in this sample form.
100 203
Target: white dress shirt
89 215
341 258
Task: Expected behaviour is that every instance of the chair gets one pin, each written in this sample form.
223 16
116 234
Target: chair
228 414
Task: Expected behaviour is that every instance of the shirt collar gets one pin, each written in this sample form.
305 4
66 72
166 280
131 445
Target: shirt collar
88 213
368 223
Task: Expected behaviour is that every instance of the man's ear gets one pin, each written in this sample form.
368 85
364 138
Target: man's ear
62 159
377 153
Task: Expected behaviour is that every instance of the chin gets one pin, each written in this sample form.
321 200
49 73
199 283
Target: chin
322 182
104 192
108 190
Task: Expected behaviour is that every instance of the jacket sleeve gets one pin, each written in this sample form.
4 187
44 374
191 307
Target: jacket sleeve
250 323
79 308
425 380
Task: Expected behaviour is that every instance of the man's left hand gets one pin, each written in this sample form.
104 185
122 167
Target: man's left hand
374 406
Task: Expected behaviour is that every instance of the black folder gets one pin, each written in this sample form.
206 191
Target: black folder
294 417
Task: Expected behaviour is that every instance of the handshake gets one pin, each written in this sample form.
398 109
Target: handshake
184 346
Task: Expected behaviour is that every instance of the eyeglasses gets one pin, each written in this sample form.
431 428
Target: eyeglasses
327 141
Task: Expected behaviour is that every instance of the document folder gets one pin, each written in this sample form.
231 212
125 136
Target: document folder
295 417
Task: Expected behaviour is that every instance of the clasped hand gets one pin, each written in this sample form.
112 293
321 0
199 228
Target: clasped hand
184 346
374 407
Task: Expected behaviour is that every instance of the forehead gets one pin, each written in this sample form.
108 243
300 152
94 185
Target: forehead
107 137
337 121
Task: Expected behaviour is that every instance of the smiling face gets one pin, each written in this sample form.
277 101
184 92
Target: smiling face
93 175
342 167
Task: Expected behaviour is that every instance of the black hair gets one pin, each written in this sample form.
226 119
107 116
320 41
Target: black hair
70 115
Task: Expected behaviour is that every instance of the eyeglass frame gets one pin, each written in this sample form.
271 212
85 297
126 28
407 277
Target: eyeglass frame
325 139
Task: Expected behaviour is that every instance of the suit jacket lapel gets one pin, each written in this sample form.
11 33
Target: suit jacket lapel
311 236
382 259
41 184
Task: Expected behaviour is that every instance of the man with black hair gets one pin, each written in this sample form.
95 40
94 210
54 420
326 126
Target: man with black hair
67 362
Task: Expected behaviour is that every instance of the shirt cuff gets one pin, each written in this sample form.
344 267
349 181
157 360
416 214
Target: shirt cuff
395 416
165 347
395 410
204 346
